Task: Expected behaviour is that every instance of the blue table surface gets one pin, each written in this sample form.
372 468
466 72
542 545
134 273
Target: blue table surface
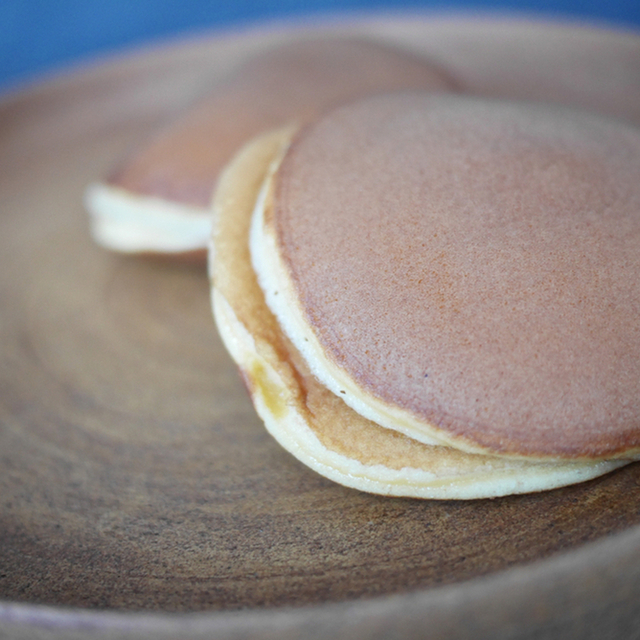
40 36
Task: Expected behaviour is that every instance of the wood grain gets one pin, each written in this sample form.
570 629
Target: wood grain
135 477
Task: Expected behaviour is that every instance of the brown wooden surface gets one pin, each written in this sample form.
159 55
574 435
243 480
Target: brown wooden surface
135 476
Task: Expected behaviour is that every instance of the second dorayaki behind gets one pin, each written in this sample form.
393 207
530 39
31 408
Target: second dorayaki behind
157 200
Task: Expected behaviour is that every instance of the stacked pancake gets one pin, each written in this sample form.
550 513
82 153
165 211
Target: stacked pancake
437 296
158 200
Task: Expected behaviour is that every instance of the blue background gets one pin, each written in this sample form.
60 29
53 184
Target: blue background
38 36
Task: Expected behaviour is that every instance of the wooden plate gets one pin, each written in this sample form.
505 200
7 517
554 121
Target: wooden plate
139 494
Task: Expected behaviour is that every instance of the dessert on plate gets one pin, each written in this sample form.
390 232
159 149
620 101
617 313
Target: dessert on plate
437 296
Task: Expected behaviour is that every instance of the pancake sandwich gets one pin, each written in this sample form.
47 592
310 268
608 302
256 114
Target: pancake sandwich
438 296
158 199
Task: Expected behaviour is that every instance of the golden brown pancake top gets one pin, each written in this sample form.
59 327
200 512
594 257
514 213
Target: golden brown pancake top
476 264
295 81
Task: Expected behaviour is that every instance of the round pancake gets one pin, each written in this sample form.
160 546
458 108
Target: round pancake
465 271
314 424
159 198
